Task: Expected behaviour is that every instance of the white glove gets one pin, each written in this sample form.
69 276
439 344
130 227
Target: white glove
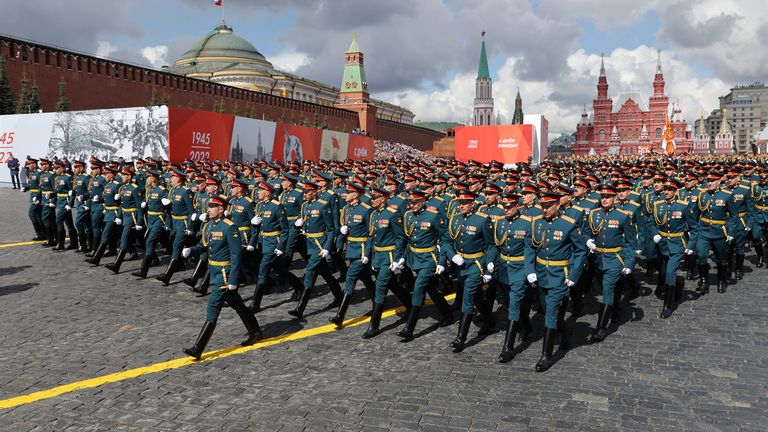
689 252
203 217
232 287
638 251
96 198
591 244
48 195
193 217
250 248
256 220
186 252
487 278
86 208
143 204
324 253
626 270
490 267
80 198
67 207
138 227
117 197
569 283
532 278
656 238
278 252
299 222
35 201
747 229
118 221
187 232
165 201
399 264
458 259
71 192
226 213
364 260
51 205
344 229
439 269
728 239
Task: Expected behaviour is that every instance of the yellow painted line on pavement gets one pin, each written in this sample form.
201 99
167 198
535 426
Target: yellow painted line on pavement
7 245
186 361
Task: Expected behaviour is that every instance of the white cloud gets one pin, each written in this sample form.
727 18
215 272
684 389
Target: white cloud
290 61
157 56
104 49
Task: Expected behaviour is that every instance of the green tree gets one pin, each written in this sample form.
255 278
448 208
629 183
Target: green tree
34 103
23 105
63 103
153 100
6 93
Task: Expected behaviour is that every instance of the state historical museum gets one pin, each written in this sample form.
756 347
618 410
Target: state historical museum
632 129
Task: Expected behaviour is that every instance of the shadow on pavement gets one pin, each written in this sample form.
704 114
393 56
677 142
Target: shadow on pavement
13 289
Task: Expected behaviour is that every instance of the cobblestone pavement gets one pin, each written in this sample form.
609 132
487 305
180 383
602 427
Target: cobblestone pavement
63 321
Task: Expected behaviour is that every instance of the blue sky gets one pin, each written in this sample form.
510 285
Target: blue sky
423 54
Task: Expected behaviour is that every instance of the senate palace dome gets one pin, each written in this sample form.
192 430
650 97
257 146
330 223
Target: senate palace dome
226 58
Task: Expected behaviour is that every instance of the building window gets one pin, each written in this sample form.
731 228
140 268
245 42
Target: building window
658 132
602 135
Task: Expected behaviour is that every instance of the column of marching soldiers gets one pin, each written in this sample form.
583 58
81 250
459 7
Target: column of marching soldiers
528 238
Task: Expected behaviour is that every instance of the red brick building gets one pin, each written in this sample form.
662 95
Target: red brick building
631 128
98 83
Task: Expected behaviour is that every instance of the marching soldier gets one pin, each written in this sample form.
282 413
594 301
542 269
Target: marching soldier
472 249
673 222
717 222
221 241
560 251
131 216
48 202
111 212
424 230
613 243
200 205
95 202
181 216
742 200
83 216
35 208
512 235
64 202
156 206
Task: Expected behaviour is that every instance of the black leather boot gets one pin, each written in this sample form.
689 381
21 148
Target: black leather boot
410 325
565 337
202 289
461 338
298 312
600 332
115 266
74 243
252 324
545 362
722 277
142 272
83 242
739 267
202 340
165 278
690 266
258 294
342 312
200 269
669 298
96 259
760 254
508 350
373 326
703 286
60 239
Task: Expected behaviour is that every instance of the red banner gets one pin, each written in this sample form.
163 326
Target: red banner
296 143
199 135
360 147
507 144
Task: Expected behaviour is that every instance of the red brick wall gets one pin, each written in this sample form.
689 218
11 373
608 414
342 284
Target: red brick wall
417 137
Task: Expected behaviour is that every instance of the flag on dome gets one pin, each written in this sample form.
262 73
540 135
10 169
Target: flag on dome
668 143
218 2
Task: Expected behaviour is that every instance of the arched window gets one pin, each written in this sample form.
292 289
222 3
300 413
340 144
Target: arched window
602 134
658 132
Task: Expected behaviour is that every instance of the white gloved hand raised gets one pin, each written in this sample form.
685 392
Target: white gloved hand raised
278 252
118 221
490 267
165 201
250 248
232 287
439 269
458 259
193 217
324 253
591 244
186 252
532 278
138 227
299 222
203 217
344 229
689 251
656 238
626 270
67 207
256 220
143 204
364 260
487 278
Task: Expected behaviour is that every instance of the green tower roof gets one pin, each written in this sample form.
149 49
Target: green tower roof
353 79
353 46
482 70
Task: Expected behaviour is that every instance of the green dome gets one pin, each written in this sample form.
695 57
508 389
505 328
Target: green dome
221 42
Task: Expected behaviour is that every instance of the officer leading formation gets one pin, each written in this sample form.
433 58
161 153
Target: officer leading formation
523 237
